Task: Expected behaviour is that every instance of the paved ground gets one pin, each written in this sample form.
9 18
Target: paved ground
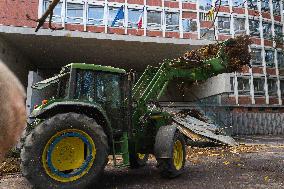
245 167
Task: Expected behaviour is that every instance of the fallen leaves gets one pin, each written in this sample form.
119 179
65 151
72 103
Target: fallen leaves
194 153
226 162
10 165
266 178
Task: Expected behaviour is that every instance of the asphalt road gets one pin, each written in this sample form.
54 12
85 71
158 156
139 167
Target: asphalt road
261 168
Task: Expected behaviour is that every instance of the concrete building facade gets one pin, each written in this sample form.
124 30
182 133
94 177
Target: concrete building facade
168 28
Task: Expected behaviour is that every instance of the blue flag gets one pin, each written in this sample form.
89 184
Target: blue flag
119 15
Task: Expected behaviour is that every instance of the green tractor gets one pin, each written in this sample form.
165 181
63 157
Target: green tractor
96 112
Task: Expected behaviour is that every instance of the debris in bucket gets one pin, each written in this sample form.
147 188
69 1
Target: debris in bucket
236 50
191 112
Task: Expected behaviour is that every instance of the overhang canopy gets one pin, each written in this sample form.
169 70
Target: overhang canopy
53 49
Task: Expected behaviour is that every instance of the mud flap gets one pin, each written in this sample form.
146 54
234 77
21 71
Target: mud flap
163 142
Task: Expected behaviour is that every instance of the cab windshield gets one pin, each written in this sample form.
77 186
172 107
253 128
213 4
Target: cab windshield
102 87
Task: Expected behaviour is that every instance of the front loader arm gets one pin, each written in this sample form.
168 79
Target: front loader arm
230 56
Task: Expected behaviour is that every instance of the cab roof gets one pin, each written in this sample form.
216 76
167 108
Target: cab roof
84 66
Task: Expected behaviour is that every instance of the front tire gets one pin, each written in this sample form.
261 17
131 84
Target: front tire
174 166
66 151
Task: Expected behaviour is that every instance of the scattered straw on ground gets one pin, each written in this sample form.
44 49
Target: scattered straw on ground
12 165
9 166
194 154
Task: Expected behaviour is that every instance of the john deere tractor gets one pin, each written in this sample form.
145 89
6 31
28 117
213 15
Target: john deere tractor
97 112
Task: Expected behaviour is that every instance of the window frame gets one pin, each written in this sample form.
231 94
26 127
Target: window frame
280 65
255 62
224 30
239 5
206 7
271 63
244 91
259 92
56 18
189 20
74 17
265 6
256 31
239 31
135 24
152 25
267 30
272 92
174 27
119 23
100 20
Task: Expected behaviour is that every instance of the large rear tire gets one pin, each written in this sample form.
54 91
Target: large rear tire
174 166
66 151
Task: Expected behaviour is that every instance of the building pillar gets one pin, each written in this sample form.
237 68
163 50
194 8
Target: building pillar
34 97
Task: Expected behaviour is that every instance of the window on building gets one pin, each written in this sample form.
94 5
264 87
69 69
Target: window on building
269 58
232 83
203 16
95 15
154 20
133 17
223 2
206 33
189 1
74 13
56 12
243 85
267 32
256 58
238 3
224 25
278 30
272 87
258 84
172 21
265 6
282 88
205 5
252 4
276 7
280 59
112 12
239 25
254 28
189 25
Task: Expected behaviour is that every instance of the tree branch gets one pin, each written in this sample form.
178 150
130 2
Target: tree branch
42 19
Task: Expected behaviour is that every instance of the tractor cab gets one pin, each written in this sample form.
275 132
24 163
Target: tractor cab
100 86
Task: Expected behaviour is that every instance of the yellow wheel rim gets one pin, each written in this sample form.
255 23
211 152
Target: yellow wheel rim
68 155
178 155
141 156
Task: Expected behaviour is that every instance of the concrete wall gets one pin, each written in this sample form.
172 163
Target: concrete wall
213 86
249 123
183 90
15 60
257 123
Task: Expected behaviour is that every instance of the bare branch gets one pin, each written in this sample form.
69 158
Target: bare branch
48 12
